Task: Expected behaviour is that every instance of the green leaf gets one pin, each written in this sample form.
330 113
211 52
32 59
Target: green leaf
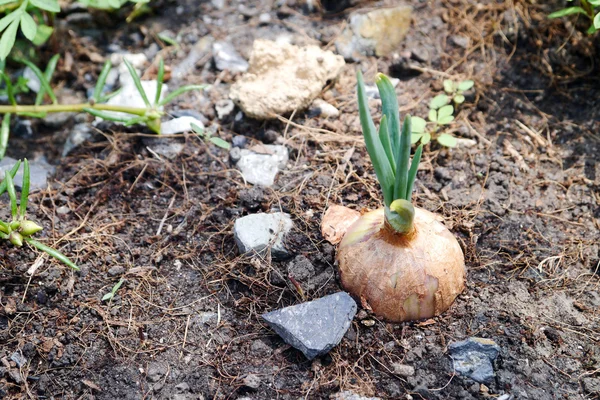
101 81
447 140
28 26
465 85
384 138
415 137
8 38
459 99
217 141
24 189
137 82
10 92
418 125
412 173
41 77
113 291
438 101
197 129
403 160
426 138
48 5
181 91
433 115
567 11
42 34
159 80
449 86
106 116
114 3
9 18
390 108
13 171
10 188
108 296
381 164
597 21
445 120
50 68
52 252
591 29
4 134
445 112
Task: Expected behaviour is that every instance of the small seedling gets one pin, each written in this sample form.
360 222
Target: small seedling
589 8
113 292
207 137
441 114
150 115
20 229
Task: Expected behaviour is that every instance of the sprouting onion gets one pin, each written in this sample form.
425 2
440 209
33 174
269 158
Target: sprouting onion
399 260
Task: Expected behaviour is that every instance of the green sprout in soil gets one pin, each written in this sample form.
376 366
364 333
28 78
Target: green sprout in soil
441 114
20 229
113 291
207 137
150 115
589 8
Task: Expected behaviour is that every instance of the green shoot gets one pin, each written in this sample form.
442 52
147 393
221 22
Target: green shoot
206 136
113 292
24 190
97 96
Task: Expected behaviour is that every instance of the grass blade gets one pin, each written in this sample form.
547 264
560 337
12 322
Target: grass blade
4 134
181 91
384 137
13 172
137 82
101 81
45 84
50 68
381 164
412 173
10 187
9 88
24 189
106 116
159 80
403 160
52 252
390 109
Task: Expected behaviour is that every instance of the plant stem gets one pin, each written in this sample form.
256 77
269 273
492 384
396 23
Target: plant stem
399 217
50 108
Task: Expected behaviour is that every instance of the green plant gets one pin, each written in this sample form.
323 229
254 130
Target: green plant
441 113
20 229
206 136
24 13
399 260
113 291
587 8
150 115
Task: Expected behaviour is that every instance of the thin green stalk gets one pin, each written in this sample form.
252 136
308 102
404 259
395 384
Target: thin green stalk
13 171
54 253
24 189
50 108
4 134
10 187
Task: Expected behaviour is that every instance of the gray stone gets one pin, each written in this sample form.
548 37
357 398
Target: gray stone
239 141
591 385
188 65
314 327
163 146
116 270
227 58
224 108
180 125
33 83
19 359
183 387
262 168
403 369
473 358
376 33
264 18
257 232
324 109
157 371
252 381
79 134
348 395
38 171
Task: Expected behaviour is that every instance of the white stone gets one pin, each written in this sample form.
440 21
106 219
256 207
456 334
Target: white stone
33 83
262 168
258 232
326 109
179 125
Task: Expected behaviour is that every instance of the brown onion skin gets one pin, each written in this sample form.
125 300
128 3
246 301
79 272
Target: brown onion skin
402 277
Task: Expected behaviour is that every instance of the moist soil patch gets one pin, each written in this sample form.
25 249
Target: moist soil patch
522 198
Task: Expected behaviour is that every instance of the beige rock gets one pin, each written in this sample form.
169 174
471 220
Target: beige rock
336 221
283 77
378 32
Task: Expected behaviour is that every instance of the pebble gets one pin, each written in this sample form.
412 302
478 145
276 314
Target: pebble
180 125
227 58
349 395
264 18
259 168
403 369
79 134
116 270
239 141
474 357
252 381
157 371
258 232
167 147
320 107
33 83
224 108
314 327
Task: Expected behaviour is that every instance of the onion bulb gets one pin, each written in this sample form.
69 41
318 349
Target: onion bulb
398 260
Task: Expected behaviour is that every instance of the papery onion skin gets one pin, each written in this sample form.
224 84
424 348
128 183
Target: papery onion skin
402 277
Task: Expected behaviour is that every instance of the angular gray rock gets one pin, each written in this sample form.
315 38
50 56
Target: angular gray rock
79 134
257 232
349 395
474 357
38 171
314 327
227 58
262 168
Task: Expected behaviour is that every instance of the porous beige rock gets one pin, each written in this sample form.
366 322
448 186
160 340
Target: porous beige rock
283 77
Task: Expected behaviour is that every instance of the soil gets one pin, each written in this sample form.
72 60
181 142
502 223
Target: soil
524 202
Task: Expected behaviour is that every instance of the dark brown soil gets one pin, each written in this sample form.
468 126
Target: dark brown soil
524 203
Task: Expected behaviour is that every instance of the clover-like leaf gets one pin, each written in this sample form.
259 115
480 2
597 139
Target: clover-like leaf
438 101
433 115
465 85
447 140
459 99
445 111
426 138
418 125
449 86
